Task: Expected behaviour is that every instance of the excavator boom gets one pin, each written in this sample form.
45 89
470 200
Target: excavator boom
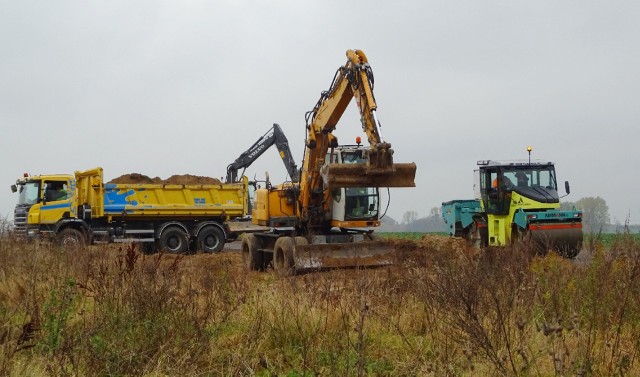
274 136
353 81
325 219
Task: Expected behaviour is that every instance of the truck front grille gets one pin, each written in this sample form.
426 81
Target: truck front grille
20 221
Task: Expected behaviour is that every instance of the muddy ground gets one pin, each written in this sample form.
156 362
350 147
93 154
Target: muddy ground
423 252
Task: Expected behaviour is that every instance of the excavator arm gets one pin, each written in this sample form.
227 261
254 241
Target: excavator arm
354 80
274 136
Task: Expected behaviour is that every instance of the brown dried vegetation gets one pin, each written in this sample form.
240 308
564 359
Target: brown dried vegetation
444 309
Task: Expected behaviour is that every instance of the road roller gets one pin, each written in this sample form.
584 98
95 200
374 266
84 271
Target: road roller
516 202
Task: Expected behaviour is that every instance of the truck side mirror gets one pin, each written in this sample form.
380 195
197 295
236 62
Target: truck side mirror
14 188
566 187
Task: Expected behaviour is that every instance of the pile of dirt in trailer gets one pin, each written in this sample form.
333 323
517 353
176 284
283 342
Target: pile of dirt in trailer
185 179
188 179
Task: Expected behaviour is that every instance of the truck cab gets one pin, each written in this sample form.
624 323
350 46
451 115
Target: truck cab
42 201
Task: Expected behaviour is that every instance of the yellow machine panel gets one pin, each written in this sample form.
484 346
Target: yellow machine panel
271 205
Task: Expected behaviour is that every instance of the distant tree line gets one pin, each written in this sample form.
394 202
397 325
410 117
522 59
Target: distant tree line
412 223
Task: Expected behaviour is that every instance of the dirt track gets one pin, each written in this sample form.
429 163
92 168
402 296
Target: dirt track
231 250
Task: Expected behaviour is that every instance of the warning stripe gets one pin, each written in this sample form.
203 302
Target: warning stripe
555 226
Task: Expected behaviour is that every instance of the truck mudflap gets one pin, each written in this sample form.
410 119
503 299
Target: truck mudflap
293 256
564 238
364 175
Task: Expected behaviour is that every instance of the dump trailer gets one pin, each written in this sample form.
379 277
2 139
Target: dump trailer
326 218
516 202
82 208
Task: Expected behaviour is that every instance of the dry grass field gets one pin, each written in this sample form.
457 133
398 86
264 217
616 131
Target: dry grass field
443 309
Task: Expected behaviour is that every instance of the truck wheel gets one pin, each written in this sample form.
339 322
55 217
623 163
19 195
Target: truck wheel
283 258
174 240
71 239
253 258
210 239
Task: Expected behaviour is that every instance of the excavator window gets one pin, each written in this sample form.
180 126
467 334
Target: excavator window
361 203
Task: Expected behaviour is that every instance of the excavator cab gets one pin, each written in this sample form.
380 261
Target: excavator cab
368 167
353 204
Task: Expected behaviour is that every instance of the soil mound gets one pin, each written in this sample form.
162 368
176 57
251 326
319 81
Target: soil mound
185 179
136 178
188 179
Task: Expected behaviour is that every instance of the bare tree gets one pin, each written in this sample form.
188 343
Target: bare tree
595 213
409 217
568 206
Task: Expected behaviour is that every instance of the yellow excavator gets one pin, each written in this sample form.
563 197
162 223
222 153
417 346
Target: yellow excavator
326 218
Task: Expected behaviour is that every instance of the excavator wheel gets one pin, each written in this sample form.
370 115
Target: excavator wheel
283 256
253 257
301 241
372 237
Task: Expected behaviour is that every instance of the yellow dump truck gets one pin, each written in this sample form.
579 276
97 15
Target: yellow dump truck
81 208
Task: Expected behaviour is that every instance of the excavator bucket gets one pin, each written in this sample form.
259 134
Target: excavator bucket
366 175
293 255
376 170
340 255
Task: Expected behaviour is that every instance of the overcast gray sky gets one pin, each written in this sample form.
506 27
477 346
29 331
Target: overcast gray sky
176 87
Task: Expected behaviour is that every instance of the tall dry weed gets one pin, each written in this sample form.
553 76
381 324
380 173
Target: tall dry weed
441 311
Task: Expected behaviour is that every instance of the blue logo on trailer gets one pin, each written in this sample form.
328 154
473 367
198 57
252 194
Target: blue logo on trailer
115 200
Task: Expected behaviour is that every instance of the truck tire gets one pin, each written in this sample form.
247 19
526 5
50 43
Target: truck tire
253 257
210 239
283 257
173 240
71 239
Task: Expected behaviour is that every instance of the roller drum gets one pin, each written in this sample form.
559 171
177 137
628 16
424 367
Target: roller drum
565 239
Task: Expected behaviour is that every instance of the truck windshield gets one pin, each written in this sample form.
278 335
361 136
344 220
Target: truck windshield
28 193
